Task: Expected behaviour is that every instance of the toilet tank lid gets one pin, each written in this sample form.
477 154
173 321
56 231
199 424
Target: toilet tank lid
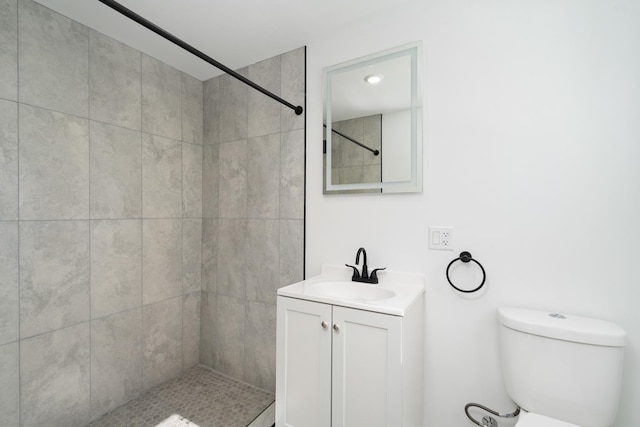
563 326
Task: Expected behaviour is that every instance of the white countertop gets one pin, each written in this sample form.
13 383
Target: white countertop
408 287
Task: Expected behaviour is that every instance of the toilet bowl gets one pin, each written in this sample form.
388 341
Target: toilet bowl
529 419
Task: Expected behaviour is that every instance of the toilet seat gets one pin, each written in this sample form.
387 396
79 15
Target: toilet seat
530 419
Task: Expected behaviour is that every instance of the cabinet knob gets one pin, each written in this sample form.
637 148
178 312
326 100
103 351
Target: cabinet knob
324 325
336 327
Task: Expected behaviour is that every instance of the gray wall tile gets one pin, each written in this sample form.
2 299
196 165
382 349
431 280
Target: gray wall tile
116 266
190 330
260 345
229 335
209 254
336 146
103 215
263 260
207 329
116 172
191 255
162 341
233 107
211 111
232 258
54 275
9 49
54 378
116 360
161 177
232 189
335 177
161 98
115 88
8 160
293 88
372 137
210 180
10 384
161 259
291 251
52 42
292 183
54 165
353 164
9 304
263 177
351 154
356 174
253 215
191 180
264 112
192 114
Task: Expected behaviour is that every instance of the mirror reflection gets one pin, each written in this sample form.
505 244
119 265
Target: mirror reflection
371 124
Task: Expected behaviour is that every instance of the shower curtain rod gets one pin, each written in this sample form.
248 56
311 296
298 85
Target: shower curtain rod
153 27
375 152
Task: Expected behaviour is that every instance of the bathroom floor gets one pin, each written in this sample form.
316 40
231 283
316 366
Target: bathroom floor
200 396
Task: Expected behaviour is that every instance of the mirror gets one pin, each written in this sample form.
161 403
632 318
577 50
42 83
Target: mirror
372 124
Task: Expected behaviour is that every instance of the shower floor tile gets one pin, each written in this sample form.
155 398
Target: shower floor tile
202 396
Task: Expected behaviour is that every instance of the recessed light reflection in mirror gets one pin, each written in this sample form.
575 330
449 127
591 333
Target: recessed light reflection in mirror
374 79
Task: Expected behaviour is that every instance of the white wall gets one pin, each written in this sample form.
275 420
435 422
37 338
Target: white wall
396 146
532 153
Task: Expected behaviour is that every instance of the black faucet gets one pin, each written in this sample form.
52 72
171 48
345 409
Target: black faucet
365 272
364 277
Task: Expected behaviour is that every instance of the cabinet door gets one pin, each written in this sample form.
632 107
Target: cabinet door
367 369
303 364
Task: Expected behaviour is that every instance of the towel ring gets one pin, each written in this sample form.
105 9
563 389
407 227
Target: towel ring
466 257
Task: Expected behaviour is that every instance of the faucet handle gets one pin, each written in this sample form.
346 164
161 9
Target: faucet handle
374 273
356 273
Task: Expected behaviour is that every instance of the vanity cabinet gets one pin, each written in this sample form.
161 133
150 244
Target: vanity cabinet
345 367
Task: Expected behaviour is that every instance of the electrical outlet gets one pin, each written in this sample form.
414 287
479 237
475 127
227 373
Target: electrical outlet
441 238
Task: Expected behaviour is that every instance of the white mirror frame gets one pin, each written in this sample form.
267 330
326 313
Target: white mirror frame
414 184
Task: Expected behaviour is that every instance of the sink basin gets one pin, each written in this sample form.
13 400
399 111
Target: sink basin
396 292
350 291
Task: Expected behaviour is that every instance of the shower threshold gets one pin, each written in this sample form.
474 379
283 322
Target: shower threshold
200 397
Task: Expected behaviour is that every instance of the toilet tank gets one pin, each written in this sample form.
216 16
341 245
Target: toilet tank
562 366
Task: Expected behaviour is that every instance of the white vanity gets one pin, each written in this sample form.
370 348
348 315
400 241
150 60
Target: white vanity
350 354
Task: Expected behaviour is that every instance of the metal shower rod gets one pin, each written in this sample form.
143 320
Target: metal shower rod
173 39
375 152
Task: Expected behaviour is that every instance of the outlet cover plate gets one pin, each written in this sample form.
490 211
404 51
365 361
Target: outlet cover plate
441 238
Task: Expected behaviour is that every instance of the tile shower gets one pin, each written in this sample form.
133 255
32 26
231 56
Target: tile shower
351 163
146 218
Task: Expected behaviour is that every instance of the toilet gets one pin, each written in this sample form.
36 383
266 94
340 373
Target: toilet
561 370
